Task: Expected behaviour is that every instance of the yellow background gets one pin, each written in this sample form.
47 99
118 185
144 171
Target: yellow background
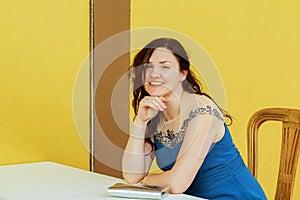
42 46
255 45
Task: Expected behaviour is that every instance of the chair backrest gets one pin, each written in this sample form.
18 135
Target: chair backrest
290 146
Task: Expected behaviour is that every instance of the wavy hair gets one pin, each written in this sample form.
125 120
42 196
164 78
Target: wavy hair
136 73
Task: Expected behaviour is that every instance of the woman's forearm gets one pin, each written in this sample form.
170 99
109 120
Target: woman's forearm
134 160
166 179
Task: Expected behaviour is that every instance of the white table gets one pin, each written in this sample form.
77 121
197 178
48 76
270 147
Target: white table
48 180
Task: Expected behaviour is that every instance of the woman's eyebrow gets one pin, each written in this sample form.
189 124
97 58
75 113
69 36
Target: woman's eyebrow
163 62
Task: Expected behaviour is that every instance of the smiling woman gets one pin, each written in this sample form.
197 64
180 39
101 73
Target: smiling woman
161 73
183 128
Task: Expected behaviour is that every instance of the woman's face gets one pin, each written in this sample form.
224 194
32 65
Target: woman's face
162 74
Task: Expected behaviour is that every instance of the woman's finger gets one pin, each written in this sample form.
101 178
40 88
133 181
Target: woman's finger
156 102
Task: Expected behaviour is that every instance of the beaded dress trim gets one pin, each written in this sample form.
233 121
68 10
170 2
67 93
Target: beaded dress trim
169 139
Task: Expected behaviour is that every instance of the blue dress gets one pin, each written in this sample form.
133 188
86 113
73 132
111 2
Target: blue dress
223 174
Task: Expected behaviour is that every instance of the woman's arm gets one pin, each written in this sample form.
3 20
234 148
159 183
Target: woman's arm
199 137
137 157
138 154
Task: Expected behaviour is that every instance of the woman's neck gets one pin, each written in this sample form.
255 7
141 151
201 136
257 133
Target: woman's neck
173 105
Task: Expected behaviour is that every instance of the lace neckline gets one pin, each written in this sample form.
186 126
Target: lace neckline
170 139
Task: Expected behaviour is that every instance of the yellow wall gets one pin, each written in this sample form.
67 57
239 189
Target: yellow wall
42 45
255 45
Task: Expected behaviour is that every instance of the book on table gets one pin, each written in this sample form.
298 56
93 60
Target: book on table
137 191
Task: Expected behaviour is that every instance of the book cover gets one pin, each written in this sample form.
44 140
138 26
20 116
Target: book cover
137 191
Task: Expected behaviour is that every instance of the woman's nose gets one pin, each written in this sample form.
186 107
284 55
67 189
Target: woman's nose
155 72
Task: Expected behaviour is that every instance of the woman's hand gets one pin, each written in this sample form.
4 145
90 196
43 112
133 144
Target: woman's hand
149 107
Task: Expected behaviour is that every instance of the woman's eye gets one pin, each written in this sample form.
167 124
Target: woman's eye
148 67
165 67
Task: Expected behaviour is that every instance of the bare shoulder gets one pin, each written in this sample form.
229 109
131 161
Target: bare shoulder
196 100
201 104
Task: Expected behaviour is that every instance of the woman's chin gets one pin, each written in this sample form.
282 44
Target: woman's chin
156 95
159 92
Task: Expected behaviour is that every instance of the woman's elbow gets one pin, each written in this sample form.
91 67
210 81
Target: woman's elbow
177 189
178 185
132 178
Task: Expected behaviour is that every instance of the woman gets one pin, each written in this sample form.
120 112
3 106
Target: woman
183 127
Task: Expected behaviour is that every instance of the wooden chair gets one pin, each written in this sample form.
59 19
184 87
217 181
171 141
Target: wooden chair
290 146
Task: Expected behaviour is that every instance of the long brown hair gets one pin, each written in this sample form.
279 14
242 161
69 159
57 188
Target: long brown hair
136 72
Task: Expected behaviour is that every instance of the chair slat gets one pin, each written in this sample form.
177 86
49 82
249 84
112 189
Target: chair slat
290 146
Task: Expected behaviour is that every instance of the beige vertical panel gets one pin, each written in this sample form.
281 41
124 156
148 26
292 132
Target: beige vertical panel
111 107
